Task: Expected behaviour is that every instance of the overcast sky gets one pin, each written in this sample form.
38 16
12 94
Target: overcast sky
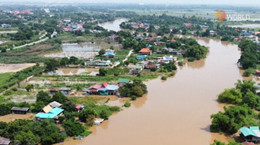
221 2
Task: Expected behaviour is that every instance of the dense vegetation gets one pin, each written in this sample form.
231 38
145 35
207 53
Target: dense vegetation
235 117
32 132
133 90
250 56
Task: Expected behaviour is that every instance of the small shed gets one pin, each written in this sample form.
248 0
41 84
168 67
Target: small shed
79 107
55 104
123 81
53 91
109 54
4 141
257 73
20 110
65 91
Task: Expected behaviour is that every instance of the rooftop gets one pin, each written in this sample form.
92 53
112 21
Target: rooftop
145 50
50 115
20 109
123 80
4 141
55 104
251 131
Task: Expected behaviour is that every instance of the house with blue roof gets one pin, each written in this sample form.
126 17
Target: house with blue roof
149 45
109 54
52 114
251 134
141 57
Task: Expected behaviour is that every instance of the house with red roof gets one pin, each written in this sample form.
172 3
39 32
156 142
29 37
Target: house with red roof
145 51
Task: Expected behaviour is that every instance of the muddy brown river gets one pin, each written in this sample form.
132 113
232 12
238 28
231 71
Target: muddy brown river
176 111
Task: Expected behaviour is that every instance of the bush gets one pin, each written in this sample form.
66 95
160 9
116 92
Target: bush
163 78
180 63
232 119
104 114
248 72
133 97
231 96
153 69
127 104
191 59
73 128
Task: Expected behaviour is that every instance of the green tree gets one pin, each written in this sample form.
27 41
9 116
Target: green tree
87 116
102 72
137 91
251 99
26 138
232 96
73 128
29 87
59 97
43 97
64 61
101 52
51 65
246 86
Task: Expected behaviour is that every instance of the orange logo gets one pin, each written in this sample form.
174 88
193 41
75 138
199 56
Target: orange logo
220 15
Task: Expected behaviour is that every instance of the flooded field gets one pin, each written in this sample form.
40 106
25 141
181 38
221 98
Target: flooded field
114 25
76 71
6 68
6 32
82 50
176 109
246 26
12 117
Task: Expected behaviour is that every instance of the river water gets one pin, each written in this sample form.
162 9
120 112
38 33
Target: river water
176 111
114 25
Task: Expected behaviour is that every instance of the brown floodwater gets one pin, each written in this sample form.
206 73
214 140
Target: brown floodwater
176 111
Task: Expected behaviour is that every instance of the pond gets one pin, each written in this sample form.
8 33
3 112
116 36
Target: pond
82 50
114 25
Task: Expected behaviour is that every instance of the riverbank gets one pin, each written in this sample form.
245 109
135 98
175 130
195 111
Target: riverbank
192 91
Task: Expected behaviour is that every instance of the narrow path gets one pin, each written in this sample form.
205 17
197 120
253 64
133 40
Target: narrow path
42 39
128 55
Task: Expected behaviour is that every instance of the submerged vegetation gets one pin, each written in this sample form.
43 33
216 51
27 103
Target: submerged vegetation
242 114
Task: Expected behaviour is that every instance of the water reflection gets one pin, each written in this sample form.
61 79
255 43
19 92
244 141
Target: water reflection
114 25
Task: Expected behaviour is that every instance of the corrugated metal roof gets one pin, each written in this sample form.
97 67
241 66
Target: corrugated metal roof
112 87
123 80
253 130
50 115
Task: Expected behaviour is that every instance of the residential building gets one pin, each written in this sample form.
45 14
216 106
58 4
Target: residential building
145 51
